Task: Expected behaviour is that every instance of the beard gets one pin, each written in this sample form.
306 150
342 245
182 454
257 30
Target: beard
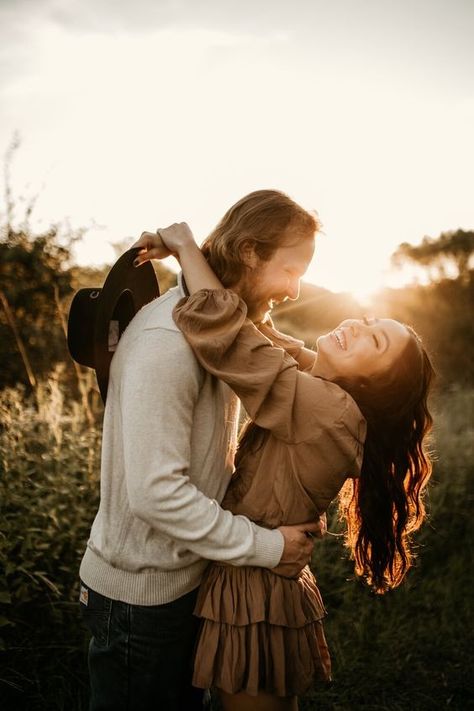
259 302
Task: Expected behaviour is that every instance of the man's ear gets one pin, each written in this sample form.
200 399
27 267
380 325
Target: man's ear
248 255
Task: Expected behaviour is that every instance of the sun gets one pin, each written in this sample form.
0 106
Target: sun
365 295
360 280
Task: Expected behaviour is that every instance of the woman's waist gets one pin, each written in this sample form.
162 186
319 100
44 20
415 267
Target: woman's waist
270 513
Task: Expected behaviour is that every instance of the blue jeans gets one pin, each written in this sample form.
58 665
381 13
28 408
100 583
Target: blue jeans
140 657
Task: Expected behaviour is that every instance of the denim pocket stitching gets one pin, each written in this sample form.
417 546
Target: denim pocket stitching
102 618
109 619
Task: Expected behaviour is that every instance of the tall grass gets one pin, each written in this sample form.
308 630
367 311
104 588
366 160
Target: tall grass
49 455
413 647
410 649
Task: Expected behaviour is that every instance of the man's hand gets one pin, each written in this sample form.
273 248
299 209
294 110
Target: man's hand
298 548
323 526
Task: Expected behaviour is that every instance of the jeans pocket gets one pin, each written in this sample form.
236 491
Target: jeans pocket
96 611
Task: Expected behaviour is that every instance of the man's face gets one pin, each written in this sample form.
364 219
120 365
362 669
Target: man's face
276 280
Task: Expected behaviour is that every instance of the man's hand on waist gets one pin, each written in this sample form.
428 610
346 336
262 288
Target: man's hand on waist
298 548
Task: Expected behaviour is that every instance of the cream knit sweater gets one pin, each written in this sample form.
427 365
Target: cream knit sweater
167 458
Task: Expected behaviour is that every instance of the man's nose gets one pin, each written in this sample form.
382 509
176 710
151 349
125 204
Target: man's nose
293 289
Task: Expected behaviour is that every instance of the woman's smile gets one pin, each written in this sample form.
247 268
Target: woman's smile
360 347
340 338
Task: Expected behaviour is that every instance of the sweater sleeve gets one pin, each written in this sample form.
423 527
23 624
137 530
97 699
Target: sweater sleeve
294 405
158 397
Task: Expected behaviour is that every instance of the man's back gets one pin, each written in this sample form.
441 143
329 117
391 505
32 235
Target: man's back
164 418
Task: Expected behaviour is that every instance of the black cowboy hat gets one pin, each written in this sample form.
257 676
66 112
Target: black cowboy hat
98 317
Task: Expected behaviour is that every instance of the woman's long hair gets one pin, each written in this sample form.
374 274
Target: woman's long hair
384 505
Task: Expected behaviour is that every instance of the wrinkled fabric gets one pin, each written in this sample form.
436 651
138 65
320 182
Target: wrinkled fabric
261 631
314 430
241 596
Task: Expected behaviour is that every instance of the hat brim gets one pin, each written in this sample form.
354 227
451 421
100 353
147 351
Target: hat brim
126 289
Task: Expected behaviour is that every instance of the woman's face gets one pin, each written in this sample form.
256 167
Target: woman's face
360 347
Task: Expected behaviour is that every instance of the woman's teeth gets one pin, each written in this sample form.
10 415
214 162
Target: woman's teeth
340 338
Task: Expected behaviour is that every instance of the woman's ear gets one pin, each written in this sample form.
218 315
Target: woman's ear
248 255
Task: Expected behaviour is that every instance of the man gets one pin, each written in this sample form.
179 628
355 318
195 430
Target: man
167 456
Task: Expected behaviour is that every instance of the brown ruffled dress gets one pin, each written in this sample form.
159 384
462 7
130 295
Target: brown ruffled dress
261 631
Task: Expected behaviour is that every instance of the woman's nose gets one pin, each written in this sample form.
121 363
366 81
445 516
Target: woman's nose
358 327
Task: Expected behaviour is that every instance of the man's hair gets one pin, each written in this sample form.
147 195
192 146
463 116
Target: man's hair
264 220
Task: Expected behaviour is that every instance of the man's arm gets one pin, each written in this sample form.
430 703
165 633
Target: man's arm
158 395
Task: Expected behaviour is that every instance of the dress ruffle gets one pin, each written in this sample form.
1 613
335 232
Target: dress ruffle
260 632
243 595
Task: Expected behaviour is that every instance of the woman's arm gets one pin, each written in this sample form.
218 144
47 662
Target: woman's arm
225 342
228 344
178 240
294 406
295 347
306 358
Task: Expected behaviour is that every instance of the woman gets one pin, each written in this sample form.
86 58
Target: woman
352 423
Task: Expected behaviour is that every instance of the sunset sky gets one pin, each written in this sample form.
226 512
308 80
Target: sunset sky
135 115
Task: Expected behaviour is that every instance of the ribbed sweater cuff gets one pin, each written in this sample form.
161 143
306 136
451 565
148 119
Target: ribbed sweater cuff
269 546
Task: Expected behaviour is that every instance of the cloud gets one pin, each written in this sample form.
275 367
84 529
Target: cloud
151 15
429 39
448 20
160 109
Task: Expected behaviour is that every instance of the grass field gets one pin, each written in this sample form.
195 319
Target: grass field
410 649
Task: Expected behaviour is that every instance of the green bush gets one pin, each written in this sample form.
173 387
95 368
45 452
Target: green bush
408 650
411 649
50 458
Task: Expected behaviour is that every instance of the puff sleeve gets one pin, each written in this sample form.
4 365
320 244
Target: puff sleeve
295 406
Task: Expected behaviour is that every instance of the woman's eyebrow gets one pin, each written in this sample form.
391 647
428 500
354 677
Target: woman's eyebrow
384 334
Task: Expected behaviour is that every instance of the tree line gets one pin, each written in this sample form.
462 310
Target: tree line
439 310
38 279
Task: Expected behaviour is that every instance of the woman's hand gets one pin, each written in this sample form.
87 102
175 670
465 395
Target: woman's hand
177 237
166 242
178 240
151 246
